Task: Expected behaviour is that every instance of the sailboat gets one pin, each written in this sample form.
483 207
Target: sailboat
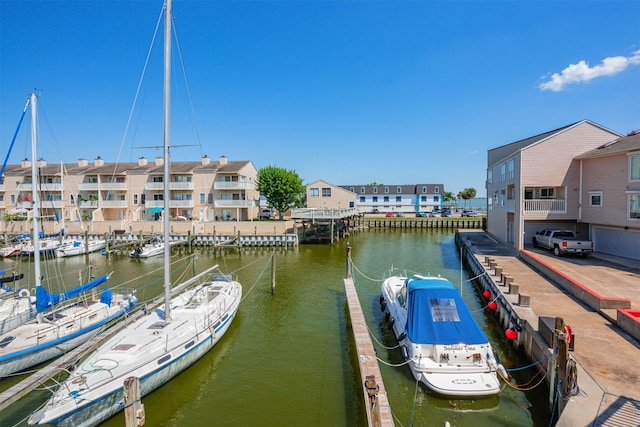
53 332
20 306
156 347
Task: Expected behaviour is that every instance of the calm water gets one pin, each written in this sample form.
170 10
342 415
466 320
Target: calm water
288 359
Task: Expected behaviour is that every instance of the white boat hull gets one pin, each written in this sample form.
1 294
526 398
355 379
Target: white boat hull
78 247
145 349
459 370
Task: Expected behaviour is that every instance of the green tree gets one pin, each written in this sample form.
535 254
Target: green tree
466 194
448 196
282 188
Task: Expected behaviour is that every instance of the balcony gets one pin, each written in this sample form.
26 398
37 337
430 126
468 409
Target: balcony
172 204
154 186
89 186
112 186
181 186
230 185
545 206
113 204
235 203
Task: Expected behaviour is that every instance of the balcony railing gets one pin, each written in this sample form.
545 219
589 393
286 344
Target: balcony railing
543 206
226 185
113 204
235 203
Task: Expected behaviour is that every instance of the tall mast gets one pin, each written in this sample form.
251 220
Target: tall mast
34 189
167 117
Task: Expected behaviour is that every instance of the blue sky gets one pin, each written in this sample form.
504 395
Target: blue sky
351 92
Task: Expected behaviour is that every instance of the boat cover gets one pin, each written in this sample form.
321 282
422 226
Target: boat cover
45 300
437 314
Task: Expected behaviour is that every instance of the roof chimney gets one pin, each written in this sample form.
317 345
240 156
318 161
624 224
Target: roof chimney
205 160
142 161
223 160
83 163
98 161
42 163
26 163
159 161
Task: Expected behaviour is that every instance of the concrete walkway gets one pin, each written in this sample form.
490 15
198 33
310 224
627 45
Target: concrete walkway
608 357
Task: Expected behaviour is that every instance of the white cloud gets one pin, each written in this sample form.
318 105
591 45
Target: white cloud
582 72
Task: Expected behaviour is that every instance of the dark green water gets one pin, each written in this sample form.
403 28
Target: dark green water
288 358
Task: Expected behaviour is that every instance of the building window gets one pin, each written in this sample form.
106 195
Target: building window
490 176
386 199
210 198
399 190
547 193
375 199
157 179
423 199
362 199
436 199
135 199
595 198
375 190
143 198
511 169
353 190
361 190
424 188
634 206
398 199
386 190
314 192
326 192
634 167
436 189
203 198
503 172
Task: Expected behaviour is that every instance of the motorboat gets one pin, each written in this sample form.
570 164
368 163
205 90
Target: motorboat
80 247
152 248
442 343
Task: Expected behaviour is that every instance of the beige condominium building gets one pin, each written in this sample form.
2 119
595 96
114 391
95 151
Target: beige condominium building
126 193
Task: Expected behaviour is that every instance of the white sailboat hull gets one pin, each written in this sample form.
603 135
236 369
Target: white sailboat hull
14 311
57 332
145 349
79 247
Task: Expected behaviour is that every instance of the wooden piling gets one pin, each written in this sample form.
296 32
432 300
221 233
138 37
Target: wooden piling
133 408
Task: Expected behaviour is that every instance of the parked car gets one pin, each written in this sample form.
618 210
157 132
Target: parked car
390 214
375 210
435 214
267 214
400 214
562 242
447 214
469 213
421 214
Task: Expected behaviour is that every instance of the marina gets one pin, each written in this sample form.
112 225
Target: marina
305 372
308 282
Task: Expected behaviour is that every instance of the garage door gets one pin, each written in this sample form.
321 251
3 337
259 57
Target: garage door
617 242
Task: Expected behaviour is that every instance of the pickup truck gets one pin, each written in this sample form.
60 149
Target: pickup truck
562 242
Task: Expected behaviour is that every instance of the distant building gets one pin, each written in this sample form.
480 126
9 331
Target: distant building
204 190
322 195
582 177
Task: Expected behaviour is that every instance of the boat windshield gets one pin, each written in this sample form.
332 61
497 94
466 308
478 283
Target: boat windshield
444 310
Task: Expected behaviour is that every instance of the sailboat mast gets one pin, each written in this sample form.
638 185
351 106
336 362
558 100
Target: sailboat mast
167 117
34 189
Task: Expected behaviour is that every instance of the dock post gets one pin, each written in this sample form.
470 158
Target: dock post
133 408
348 273
273 270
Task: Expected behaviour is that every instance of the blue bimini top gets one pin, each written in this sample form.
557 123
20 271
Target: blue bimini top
437 314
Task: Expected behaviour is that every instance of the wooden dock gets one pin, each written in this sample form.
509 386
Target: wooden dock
375 396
